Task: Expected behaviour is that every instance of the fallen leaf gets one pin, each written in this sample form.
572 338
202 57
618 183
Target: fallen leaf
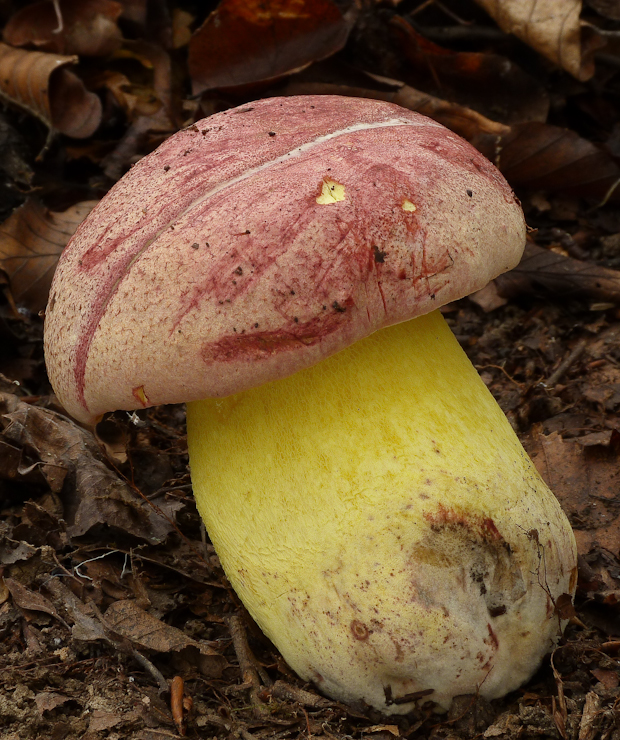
12 552
134 100
564 276
147 632
86 624
488 83
552 28
144 630
31 240
101 720
98 497
88 27
247 41
543 157
586 481
47 701
40 84
591 709
157 125
30 601
609 679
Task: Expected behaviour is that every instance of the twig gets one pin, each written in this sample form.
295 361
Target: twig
153 670
248 664
283 690
574 355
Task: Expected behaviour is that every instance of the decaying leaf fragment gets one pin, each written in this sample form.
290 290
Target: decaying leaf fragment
560 274
41 84
31 240
491 84
50 443
146 632
551 27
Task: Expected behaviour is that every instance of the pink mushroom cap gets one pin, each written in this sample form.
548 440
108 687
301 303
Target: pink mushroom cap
263 239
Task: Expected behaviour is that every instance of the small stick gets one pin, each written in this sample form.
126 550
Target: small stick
574 355
247 662
150 668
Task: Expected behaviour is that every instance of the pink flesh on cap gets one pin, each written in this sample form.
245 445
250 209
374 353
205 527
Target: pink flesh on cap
263 239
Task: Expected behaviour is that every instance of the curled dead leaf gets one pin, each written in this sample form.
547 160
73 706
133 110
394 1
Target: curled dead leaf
40 84
31 240
31 601
56 448
543 157
87 27
245 42
552 28
47 701
560 274
489 83
146 632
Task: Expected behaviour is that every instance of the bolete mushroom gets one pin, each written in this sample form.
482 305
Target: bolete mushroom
368 499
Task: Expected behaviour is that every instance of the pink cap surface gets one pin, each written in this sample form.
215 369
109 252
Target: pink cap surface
265 238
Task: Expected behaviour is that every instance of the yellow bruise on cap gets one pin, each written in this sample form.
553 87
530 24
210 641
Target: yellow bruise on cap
139 394
408 206
331 192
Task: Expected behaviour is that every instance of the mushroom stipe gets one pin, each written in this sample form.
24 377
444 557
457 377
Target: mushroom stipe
374 513
366 495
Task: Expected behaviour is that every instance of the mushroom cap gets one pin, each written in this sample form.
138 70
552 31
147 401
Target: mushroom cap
265 238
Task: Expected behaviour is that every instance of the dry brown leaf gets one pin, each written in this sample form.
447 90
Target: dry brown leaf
560 274
591 710
247 41
135 100
586 481
30 601
489 83
55 447
542 157
609 679
88 27
47 701
164 121
552 28
31 240
146 632
40 84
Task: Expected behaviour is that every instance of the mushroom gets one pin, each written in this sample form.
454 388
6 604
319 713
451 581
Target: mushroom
368 499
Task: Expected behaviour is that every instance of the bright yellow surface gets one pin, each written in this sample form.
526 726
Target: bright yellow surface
373 513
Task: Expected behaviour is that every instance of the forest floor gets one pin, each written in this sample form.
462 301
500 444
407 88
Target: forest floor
116 620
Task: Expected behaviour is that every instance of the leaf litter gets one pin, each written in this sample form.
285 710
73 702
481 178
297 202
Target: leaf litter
116 619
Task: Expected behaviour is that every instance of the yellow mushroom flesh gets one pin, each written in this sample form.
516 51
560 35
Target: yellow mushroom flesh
382 523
